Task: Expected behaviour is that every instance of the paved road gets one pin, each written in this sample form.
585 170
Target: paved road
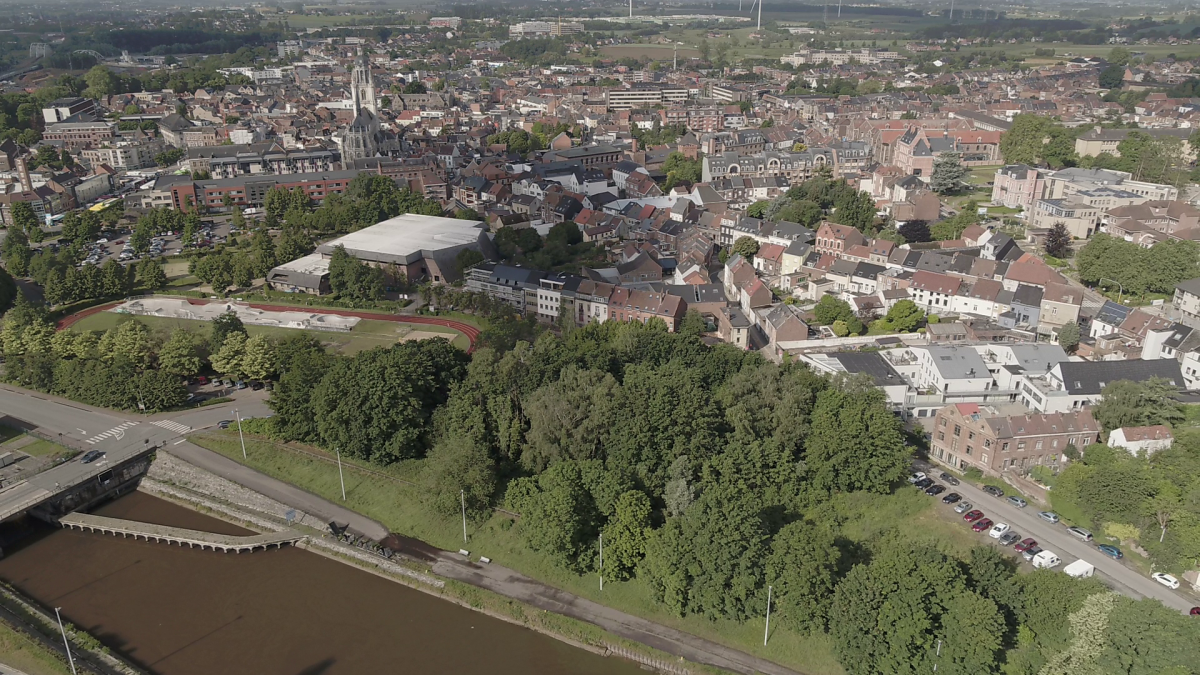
1125 580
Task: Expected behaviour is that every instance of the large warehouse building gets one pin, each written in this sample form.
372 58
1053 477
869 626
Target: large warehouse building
417 247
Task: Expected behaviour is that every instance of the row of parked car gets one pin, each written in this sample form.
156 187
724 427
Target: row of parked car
1027 547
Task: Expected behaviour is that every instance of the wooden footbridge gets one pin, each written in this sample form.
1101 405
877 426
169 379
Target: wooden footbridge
177 535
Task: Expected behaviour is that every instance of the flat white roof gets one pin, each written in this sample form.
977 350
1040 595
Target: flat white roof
406 238
313 263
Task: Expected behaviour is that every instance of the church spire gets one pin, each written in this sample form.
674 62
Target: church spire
363 85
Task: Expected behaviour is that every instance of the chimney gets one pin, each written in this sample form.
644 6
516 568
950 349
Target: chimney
634 146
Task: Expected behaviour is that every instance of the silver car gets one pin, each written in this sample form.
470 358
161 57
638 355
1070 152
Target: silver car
1048 516
963 507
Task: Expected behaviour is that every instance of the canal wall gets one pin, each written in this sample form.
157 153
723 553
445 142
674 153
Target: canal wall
177 481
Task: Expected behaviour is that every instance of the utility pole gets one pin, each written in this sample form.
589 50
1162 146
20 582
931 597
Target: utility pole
462 495
340 478
240 436
951 11
760 2
631 9
767 630
66 644
601 561
839 9
939 655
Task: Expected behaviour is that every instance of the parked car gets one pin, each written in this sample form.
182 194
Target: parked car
950 479
1048 516
1017 502
981 525
935 490
1195 611
224 424
918 476
1030 553
239 385
963 507
202 379
1080 533
998 530
972 516
1009 538
993 490
951 498
1110 551
1026 544
1166 580
256 386
923 483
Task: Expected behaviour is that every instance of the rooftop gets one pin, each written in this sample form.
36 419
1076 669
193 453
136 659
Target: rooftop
406 238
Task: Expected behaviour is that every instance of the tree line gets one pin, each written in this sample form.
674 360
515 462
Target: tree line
1138 270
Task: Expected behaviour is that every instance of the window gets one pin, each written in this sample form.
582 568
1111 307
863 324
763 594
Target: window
970 435
941 436
957 430
970 450
1020 445
987 442
1004 448
1038 446
984 458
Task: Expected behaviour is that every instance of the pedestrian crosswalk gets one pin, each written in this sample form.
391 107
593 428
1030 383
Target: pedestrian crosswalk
114 432
171 425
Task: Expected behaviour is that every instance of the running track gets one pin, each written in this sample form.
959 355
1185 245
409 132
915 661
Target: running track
468 330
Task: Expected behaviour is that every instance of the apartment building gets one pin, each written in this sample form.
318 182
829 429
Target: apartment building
79 135
967 435
645 95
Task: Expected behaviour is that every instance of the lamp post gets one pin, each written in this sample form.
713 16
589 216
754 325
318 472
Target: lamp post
602 561
767 630
240 436
1121 292
462 495
66 644
340 478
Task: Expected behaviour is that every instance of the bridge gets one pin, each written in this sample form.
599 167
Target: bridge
178 535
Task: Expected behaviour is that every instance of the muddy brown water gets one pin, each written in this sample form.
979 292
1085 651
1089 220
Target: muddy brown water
180 611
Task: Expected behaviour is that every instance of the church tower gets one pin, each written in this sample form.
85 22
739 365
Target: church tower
362 86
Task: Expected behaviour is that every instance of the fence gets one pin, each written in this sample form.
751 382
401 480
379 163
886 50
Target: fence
648 661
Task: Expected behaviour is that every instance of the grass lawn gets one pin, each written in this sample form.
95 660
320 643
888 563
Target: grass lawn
367 334
981 175
22 653
398 505
42 448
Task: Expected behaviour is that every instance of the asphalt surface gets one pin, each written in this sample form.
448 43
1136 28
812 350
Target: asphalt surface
1122 578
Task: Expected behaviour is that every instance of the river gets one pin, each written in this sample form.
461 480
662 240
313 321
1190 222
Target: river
180 611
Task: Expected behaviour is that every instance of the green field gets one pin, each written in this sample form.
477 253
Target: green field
398 505
367 334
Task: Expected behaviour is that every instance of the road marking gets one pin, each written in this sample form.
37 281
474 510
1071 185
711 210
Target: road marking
117 431
82 432
171 425
182 440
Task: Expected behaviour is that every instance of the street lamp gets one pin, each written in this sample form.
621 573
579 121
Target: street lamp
462 494
240 436
343 480
65 642
1121 292
767 630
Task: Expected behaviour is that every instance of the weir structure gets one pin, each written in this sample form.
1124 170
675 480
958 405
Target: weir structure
177 535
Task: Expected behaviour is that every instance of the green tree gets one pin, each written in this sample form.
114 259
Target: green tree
626 534
855 442
948 173
457 471
302 366
758 209
159 390
352 278
1068 337
558 517
229 359
16 252
1112 77
746 247
116 278
915 231
223 326
1134 404
150 274
258 360
569 418
802 569
181 355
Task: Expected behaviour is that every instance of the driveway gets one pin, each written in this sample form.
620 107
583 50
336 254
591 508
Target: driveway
1123 579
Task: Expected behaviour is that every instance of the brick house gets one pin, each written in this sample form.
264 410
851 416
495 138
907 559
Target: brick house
972 435
836 239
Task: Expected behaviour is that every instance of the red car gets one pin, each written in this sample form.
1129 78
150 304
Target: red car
981 525
1195 611
1025 545
973 515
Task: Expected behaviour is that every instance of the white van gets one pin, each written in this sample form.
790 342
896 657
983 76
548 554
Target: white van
1046 559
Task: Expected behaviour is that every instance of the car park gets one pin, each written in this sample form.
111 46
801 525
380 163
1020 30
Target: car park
1080 533
1048 516
1166 580
935 490
1017 502
972 516
993 490
998 530
1026 544
1009 538
982 525
1110 551
963 507
951 498
949 479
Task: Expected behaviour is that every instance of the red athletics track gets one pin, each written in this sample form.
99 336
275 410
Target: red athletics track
470 331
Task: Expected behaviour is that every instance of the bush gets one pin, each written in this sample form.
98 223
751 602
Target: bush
973 473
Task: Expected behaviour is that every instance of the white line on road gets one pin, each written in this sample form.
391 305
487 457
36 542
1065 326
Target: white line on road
179 441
